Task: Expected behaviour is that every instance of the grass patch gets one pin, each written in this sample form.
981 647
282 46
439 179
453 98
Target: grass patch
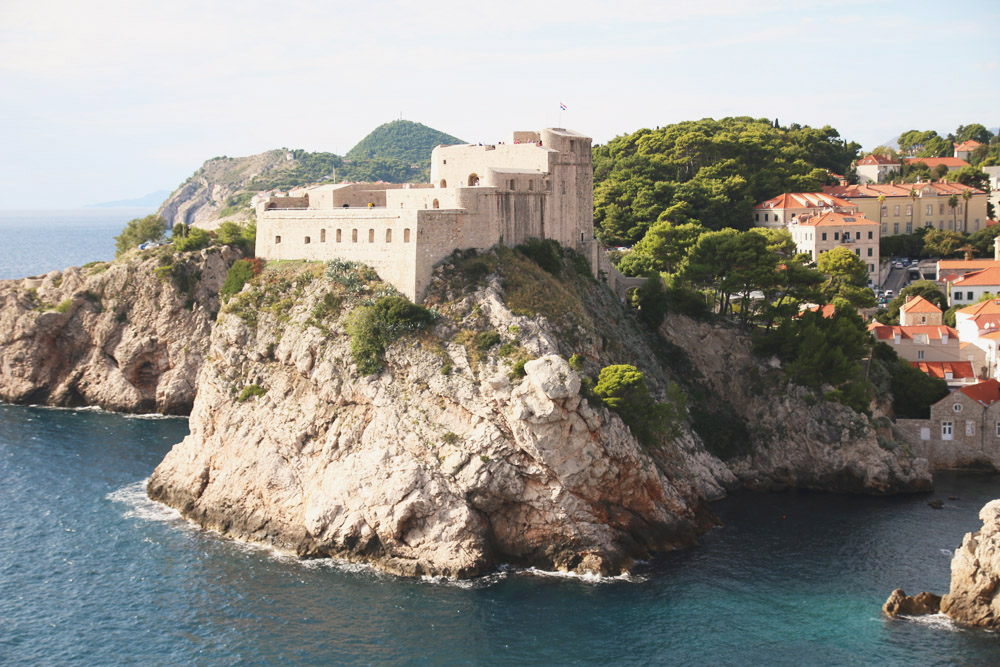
251 391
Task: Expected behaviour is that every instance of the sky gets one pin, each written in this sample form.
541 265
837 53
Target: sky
105 100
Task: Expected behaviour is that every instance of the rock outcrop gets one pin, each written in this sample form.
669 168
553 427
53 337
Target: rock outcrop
974 597
901 604
202 199
128 336
414 470
450 461
787 437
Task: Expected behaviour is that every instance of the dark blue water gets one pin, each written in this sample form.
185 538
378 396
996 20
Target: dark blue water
36 242
92 573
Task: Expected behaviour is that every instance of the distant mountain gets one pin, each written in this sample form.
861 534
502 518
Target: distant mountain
152 200
402 140
397 152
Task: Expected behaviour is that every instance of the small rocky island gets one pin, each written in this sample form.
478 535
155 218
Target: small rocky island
975 580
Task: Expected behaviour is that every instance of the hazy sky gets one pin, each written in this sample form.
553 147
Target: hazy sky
108 100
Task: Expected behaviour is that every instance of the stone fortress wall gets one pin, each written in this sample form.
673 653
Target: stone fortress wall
539 185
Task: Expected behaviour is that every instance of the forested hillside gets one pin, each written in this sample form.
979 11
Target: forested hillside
403 140
708 171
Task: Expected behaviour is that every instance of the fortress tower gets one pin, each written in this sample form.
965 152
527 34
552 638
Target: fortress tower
536 185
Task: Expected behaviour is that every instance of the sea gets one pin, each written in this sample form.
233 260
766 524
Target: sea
93 573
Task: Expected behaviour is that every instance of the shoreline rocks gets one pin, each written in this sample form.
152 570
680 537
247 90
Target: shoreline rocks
975 574
901 604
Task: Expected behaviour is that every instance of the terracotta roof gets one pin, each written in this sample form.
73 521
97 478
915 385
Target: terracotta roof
932 331
992 335
985 277
986 392
938 369
989 307
836 219
804 200
935 161
896 189
956 264
876 158
968 145
919 304
990 223
950 278
827 311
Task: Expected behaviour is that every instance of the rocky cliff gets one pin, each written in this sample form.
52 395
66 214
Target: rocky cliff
128 336
476 444
974 598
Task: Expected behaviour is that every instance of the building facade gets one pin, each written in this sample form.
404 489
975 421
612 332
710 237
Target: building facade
782 210
537 185
899 212
817 234
876 168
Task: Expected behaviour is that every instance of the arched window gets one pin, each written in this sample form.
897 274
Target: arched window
307 240
435 204
338 236
473 180
354 236
371 236
277 239
322 236
388 236
406 235
444 183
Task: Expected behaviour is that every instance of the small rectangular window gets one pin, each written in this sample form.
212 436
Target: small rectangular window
998 429
970 427
958 296
277 239
870 235
947 430
824 236
870 252
925 433
836 236
968 296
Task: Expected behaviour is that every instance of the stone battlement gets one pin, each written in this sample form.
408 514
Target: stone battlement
539 185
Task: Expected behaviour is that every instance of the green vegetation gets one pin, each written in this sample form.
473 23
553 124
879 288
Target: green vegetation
925 288
709 172
403 140
373 328
251 391
238 275
484 340
913 392
622 388
195 239
140 230
64 306
930 242
545 253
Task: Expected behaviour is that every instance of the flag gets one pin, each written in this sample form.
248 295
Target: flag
562 106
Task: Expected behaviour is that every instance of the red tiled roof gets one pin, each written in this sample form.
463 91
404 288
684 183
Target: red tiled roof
989 307
986 392
985 277
804 200
966 264
990 223
935 161
828 311
968 145
950 278
896 189
836 219
876 158
933 331
938 369
919 304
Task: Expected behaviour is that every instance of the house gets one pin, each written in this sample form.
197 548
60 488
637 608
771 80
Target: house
901 212
963 430
876 168
963 151
918 311
779 211
818 233
954 373
978 326
921 342
536 185
973 286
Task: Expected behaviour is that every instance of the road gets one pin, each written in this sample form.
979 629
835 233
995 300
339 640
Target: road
897 280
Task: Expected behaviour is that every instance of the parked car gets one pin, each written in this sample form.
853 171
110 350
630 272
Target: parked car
889 294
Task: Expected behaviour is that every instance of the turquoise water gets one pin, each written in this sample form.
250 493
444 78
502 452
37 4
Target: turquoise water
36 242
93 573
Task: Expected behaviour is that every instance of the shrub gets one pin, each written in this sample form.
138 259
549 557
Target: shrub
543 252
239 274
484 340
576 362
373 328
63 306
251 391
518 370
140 230
196 239
622 388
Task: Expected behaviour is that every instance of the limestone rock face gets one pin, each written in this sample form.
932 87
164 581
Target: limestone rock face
901 604
975 574
791 439
114 335
420 472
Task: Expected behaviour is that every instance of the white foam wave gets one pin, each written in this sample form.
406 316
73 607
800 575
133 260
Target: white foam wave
947 552
140 506
938 621
589 577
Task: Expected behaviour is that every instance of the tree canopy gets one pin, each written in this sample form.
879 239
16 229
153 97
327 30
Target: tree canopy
140 230
709 172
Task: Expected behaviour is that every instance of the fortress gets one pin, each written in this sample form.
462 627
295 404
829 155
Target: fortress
537 185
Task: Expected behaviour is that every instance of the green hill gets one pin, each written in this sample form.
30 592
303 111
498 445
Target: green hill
403 140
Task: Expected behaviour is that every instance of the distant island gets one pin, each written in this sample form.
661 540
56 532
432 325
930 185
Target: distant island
152 200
